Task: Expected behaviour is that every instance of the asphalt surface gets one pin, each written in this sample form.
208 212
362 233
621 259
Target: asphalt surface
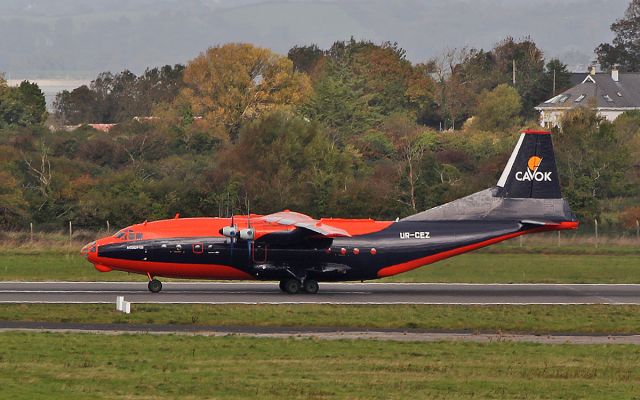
330 293
412 335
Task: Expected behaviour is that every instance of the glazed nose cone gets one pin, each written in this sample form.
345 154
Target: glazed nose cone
88 248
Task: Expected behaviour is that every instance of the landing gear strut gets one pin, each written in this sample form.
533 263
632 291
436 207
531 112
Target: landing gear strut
155 286
293 286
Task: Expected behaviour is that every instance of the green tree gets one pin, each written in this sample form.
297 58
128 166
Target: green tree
528 61
498 109
120 97
76 106
591 161
283 161
625 48
13 206
23 105
305 58
557 78
360 83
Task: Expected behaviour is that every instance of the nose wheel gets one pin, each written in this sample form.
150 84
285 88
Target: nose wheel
155 286
294 286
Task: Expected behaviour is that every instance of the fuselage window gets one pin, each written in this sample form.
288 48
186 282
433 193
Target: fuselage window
131 236
138 236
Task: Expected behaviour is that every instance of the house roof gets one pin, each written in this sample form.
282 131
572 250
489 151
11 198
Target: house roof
599 89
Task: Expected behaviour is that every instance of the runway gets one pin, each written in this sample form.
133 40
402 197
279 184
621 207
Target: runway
330 293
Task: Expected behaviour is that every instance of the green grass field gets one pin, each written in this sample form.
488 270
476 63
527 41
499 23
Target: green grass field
80 366
477 267
534 319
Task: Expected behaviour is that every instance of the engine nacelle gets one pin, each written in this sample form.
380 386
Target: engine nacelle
247 234
229 231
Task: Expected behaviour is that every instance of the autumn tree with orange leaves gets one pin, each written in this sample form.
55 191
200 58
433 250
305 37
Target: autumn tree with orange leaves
237 82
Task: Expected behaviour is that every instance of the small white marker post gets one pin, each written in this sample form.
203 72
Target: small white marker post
123 306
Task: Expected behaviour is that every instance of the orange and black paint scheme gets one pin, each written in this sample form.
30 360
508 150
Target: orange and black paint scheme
299 251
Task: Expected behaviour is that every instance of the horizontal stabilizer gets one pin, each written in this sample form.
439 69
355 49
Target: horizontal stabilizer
540 223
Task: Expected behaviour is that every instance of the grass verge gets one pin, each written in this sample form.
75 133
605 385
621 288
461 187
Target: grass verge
478 267
535 319
77 366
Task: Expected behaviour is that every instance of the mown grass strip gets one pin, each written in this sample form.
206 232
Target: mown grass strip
78 366
479 267
535 319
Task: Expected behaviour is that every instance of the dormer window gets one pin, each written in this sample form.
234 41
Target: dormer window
580 98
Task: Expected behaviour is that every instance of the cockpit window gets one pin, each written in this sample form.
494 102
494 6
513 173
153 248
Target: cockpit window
128 234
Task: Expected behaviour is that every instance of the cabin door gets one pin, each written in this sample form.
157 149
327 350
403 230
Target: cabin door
259 253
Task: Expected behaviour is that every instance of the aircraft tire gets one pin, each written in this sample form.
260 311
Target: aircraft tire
311 286
292 286
155 286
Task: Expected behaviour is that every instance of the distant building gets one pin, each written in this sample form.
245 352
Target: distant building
611 93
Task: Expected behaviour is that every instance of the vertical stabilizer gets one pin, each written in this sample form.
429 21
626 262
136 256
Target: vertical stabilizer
531 171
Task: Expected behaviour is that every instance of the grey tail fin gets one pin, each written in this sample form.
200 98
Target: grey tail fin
531 171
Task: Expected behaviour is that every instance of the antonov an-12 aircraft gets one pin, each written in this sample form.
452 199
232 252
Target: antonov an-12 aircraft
300 251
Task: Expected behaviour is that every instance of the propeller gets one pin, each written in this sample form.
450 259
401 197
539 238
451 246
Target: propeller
234 234
231 232
249 233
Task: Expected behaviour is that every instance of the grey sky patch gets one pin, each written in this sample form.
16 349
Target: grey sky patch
77 39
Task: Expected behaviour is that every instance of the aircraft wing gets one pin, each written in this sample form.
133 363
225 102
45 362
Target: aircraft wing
305 222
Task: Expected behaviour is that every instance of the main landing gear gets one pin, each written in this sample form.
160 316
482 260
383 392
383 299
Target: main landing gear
155 286
293 286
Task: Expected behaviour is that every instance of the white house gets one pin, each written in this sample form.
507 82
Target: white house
612 93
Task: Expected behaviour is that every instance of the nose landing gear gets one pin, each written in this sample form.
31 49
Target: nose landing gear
294 286
155 286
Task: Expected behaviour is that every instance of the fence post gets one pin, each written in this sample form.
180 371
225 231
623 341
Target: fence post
521 240
108 227
558 238
637 229
596 225
70 233
31 230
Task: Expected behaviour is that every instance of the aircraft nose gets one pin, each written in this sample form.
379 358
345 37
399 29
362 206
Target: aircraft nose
88 249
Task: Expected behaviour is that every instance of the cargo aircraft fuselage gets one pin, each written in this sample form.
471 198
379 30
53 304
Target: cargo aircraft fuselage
299 251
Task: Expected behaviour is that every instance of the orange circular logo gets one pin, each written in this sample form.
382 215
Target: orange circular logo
534 163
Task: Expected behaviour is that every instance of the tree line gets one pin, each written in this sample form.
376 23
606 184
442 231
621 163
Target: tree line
353 130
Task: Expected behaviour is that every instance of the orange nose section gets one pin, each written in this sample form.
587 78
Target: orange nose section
91 252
